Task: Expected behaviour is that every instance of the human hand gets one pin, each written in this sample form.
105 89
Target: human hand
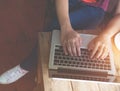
71 42
99 47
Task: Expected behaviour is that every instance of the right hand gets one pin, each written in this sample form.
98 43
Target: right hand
99 46
71 42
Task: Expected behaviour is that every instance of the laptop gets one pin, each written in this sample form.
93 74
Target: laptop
79 67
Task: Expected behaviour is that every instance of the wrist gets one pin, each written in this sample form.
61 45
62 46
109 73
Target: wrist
105 35
109 32
66 27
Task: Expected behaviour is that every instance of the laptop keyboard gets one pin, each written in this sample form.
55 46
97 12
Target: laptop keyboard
83 61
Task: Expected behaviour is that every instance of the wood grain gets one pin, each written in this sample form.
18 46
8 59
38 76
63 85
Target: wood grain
66 85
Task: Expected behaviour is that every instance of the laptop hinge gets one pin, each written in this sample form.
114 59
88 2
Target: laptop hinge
84 72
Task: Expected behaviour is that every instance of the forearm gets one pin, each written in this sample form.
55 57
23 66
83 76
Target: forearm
113 26
62 8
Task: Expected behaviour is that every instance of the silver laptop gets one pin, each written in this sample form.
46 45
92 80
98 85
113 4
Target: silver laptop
82 67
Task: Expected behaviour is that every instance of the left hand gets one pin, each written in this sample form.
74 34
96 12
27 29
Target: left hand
99 47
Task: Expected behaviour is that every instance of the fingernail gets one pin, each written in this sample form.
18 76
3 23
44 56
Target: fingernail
91 56
97 57
66 53
103 58
79 54
71 54
76 54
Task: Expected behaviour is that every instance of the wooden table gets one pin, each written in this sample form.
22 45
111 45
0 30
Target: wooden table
58 85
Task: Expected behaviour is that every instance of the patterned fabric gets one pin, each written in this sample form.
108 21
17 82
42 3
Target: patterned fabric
98 3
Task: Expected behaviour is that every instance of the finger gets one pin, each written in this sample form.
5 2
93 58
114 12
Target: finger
73 48
80 41
65 48
99 52
90 46
69 49
105 53
94 50
78 44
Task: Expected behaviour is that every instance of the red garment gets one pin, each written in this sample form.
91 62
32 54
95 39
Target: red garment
89 1
98 3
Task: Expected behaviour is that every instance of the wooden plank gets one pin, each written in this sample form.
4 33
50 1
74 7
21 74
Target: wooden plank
66 85
44 46
116 57
85 86
61 85
49 84
109 87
